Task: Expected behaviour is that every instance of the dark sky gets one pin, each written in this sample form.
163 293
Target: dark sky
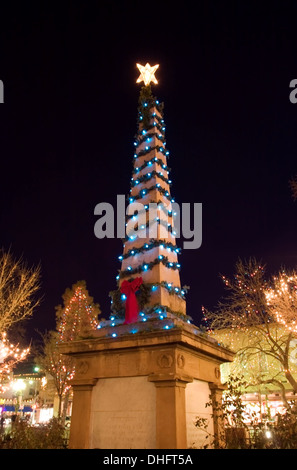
68 123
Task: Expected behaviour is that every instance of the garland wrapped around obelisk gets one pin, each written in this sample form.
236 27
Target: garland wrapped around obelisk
150 255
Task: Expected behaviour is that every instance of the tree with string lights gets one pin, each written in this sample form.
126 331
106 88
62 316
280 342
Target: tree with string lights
10 355
18 288
78 317
246 322
281 299
75 319
59 367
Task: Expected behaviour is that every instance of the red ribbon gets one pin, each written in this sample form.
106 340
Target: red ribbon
129 289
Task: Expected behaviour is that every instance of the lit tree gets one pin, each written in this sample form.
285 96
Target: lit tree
282 300
10 355
18 287
59 367
79 315
244 322
77 318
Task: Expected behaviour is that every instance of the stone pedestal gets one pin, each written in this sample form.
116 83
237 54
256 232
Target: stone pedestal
171 430
141 386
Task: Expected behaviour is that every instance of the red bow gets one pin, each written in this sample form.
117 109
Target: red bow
129 289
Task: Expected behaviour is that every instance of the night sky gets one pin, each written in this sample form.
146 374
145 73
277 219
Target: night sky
68 122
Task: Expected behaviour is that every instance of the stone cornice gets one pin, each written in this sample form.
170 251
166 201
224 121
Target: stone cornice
180 334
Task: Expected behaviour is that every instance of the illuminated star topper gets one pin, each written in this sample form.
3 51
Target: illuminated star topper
147 73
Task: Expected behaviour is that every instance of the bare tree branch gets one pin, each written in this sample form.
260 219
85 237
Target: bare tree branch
18 287
246 323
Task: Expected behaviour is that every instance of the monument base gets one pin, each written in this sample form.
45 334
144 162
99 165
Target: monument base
141 386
